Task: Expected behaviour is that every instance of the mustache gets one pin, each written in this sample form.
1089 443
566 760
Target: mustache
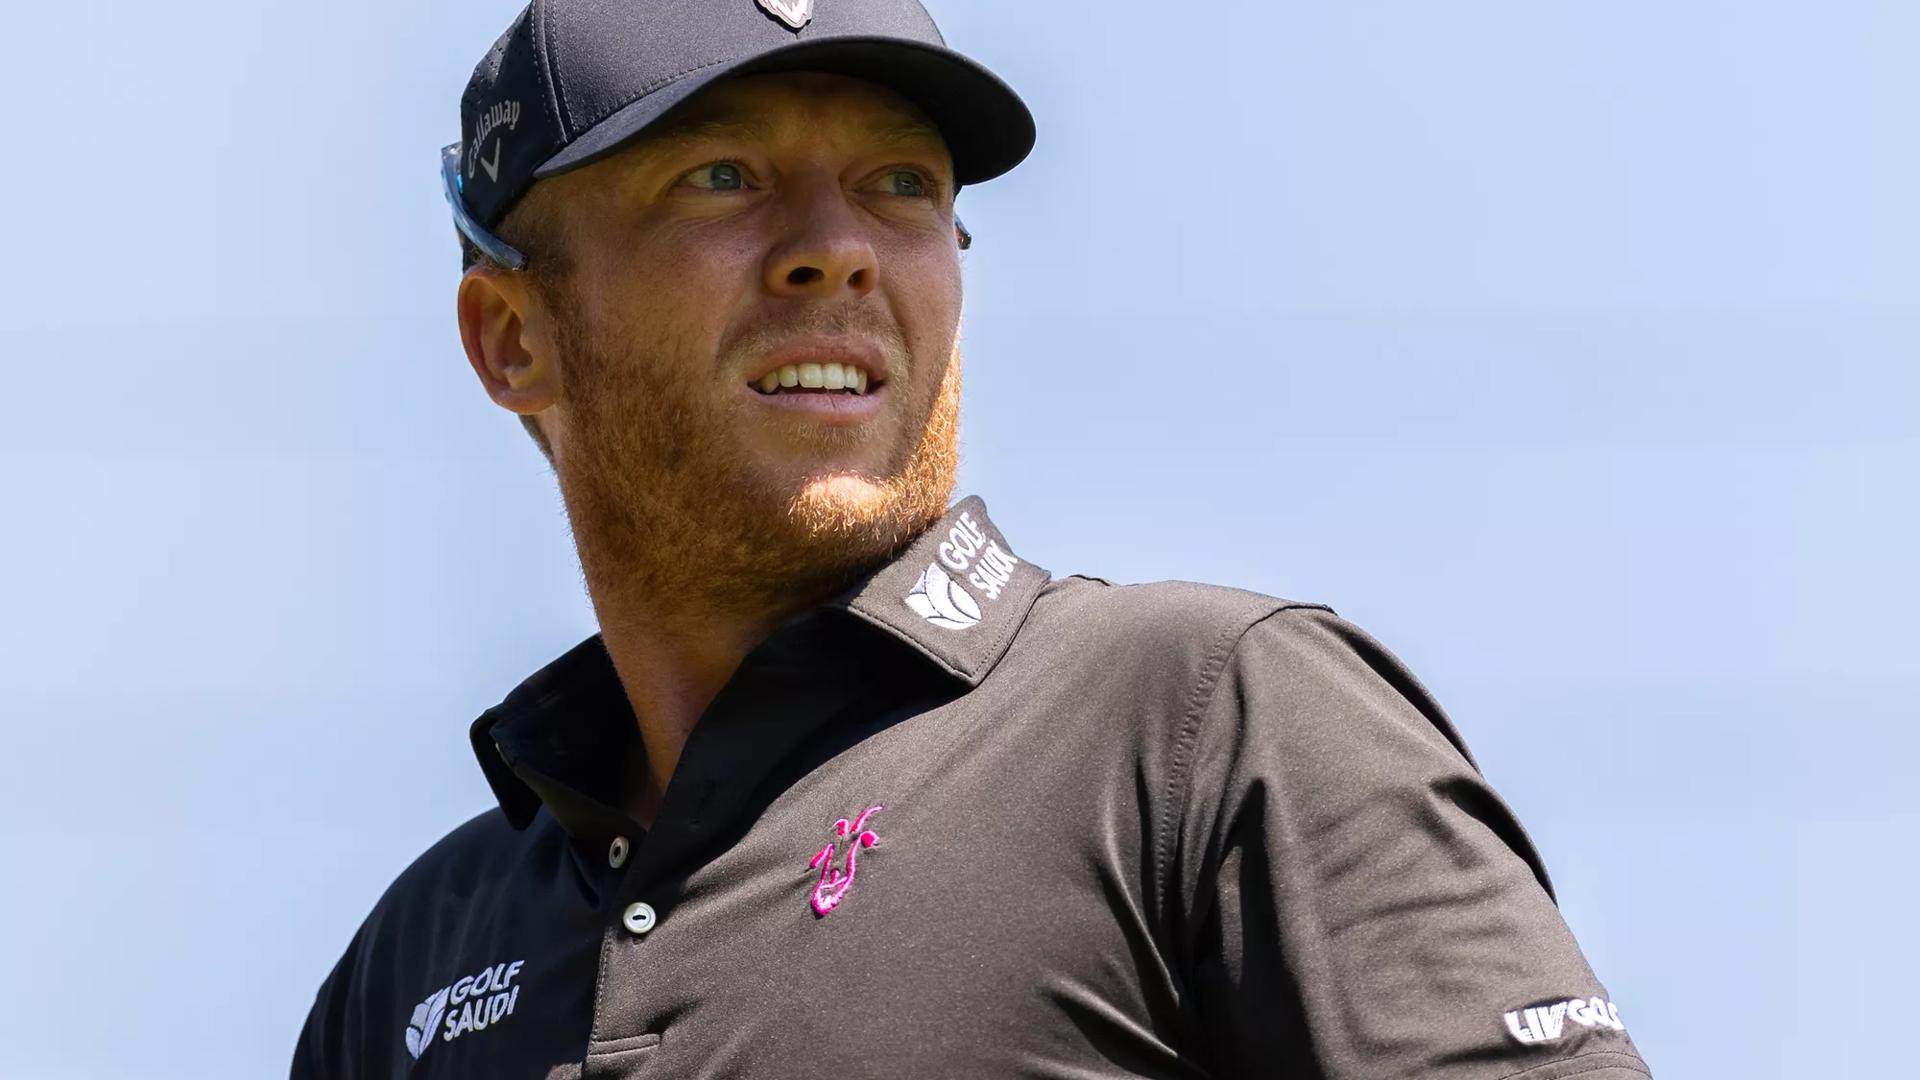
768 331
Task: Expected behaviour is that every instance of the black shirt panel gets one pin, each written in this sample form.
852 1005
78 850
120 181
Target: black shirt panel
485 896
966 820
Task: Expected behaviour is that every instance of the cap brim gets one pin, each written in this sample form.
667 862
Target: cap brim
987 127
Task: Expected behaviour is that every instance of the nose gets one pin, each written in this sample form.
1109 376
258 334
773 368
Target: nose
826 253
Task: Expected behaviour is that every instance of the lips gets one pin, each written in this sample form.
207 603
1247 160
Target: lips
839 365
824 378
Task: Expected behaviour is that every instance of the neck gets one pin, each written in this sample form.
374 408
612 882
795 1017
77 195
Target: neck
676 639
684 591
671 669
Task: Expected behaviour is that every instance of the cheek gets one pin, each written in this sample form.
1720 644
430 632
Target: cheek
677 291
927 295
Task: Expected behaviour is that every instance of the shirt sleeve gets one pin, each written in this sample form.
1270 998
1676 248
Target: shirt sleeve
1353 900
313 1056
323 1050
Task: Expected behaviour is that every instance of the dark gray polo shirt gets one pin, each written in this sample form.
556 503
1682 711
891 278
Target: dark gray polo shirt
966 820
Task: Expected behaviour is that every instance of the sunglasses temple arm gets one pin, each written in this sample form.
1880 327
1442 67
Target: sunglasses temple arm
495 248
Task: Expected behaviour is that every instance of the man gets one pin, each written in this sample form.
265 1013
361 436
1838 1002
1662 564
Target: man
844 786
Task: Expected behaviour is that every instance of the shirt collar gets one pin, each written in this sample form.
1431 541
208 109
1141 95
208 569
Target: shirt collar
956 597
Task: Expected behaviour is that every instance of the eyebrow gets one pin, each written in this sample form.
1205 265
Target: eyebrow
909 131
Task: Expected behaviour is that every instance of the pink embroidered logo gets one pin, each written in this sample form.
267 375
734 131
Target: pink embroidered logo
833 883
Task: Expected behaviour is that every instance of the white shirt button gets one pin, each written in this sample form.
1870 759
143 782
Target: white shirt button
617 852
639 917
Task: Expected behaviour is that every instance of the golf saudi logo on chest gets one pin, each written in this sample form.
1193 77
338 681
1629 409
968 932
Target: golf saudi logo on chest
474 1003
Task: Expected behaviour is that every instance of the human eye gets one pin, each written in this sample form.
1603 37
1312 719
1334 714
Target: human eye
721 176
908 183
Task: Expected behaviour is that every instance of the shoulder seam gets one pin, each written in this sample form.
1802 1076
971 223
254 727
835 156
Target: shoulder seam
1198 699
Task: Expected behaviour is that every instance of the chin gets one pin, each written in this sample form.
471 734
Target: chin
860 517
842 503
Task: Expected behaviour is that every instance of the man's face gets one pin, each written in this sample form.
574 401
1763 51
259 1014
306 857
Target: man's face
779 229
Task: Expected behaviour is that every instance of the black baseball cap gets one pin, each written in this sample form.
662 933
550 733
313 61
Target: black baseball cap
572 81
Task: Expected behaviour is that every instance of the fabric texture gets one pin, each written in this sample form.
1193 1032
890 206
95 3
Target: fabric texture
1080 830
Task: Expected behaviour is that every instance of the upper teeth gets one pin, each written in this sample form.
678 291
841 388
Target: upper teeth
817 377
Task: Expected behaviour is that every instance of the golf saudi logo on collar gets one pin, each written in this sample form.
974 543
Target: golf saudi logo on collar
968 551
940 600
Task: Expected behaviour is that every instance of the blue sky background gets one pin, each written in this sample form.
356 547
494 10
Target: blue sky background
1569 348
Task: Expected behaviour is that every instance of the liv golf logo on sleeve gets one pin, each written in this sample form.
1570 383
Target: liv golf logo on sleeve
475 1003
1546 1023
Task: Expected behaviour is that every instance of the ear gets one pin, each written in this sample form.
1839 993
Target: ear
517 367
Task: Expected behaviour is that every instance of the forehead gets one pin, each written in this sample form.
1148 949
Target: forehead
775 105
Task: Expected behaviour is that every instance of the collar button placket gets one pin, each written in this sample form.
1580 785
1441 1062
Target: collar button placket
626 1008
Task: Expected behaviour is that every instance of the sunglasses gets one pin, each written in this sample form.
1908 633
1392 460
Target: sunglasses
513 258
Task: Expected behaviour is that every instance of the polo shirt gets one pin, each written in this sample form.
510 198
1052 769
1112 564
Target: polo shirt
967 819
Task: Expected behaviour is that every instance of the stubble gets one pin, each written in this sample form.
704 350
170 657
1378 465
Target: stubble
669 521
